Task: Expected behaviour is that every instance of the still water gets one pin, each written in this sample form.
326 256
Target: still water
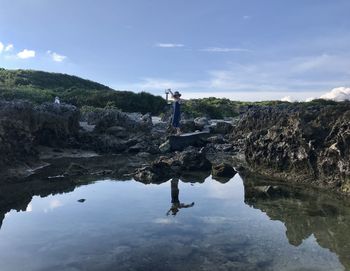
127 225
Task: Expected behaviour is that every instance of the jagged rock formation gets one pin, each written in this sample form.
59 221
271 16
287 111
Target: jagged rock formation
17 123
58 124
117 132
23 126
299 143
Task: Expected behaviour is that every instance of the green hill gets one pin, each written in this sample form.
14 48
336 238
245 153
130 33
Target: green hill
39 87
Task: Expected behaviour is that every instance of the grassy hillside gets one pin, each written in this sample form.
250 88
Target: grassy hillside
39 86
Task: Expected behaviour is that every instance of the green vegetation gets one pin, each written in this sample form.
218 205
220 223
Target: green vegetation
220 108
39 87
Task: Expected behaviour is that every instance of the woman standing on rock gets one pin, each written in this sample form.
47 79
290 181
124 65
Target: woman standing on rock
175 122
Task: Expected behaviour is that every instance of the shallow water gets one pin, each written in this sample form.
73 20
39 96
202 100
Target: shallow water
238 225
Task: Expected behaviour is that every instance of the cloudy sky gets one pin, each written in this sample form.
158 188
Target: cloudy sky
239 49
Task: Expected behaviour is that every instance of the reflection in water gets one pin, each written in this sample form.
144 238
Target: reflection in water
221 233
176 204
304 213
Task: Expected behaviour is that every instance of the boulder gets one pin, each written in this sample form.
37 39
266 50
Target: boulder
222 127
107 118
179 143
201 123
187 126
179 164
117 131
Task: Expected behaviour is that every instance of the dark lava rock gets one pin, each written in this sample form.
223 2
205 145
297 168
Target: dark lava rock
304 143
222 127
188 126
23 126
75 170
179 143
57 124
107 118
117 131
223 170
164 168
201 123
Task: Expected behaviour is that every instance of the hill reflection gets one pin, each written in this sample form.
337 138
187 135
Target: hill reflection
304 212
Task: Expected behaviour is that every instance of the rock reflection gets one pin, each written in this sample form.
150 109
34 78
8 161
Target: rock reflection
176 204
304 212
18 196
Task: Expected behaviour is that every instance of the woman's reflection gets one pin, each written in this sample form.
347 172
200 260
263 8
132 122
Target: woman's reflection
176 204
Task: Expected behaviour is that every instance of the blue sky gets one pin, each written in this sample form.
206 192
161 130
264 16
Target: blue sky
239 49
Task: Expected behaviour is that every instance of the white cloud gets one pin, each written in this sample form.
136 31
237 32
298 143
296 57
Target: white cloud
29 207
168 220
158 84
9 47
224 50
288 99
169 45
1 47
313 73
55 203
309 99
56 57
245 95
26 54
247 17
298 77
337 94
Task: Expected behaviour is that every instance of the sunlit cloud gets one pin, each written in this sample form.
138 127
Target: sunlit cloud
56 57
224 50
1 47
218 219
337 94
158 84
29 208
55 203
9 48
169 45
165 220
297 77
25 54
288 99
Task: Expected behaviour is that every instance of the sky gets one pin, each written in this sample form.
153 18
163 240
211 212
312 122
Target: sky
239 49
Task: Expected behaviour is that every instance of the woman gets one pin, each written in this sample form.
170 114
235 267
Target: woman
175 122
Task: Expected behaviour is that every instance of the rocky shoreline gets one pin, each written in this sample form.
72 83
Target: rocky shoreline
304 144
295 143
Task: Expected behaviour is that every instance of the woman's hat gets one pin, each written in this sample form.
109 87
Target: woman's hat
177 94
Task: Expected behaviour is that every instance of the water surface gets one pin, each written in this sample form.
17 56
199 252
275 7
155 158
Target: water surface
127 225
